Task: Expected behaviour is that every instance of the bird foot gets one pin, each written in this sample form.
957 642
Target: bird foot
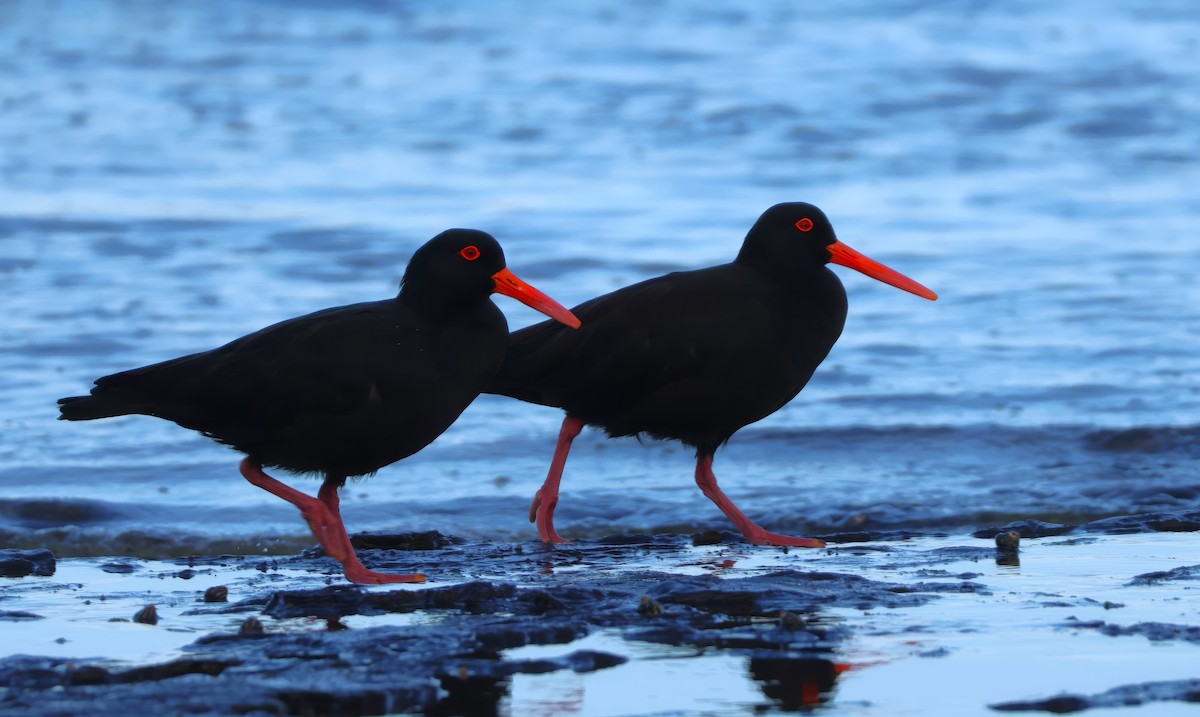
363 576
549 535
762 537
543 514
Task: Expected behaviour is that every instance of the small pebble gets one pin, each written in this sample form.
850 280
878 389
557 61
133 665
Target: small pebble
791 620
147 615
649 607
708 537
217 593
88 675
1009 542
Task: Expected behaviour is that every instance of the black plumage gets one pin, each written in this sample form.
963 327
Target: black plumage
696 355
344 391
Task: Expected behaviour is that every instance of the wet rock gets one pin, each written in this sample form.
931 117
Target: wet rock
795 591
427 540
519 633
725 602
556 596
649 607
380 670
935 652
1008 541
336 601
591 660
1123 696
21 563
1062 704
1181 522
949 587
476 597
217 593
175 668
88 675
1146 439
1141 439
17 615
870 536
1187 572
791 621
710 537
147 615
118 568
252 604
1153 631
1028 529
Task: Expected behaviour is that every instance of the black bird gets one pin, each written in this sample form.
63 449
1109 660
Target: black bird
694 356
345 391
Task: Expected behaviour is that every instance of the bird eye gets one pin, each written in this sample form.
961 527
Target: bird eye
470 253
805 224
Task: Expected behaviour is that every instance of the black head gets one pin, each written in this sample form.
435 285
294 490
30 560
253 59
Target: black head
792 236
795 239
454 268
460 268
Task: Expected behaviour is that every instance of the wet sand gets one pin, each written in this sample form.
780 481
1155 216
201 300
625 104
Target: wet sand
1090 616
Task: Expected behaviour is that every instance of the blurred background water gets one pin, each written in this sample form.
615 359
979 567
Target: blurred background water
175 175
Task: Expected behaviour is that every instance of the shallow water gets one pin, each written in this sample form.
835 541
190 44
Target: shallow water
176 178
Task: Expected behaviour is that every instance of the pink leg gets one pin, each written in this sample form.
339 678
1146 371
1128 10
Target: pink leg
707 480
355 571
542 509
325 520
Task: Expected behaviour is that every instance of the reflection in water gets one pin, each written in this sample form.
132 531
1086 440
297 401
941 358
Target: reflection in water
476 695
796 683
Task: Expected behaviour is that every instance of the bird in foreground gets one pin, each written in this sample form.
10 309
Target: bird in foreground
696 355
345 391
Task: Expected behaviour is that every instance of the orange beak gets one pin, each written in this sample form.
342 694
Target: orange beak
510 284
846 256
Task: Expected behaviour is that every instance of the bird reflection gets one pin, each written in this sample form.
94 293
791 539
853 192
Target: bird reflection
796 683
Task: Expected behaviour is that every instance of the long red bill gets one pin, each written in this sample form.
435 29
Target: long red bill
846 256
510 284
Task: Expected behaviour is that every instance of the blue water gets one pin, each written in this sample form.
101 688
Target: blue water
176 175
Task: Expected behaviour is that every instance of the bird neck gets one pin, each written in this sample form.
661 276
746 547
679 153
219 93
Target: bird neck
788 275
444 307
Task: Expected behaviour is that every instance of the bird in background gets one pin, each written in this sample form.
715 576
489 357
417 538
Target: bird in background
694 356
345 391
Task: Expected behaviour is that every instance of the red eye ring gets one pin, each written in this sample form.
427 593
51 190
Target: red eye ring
805 224
470 253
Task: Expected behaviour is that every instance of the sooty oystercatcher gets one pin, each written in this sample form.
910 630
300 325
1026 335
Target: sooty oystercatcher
695 355
345 391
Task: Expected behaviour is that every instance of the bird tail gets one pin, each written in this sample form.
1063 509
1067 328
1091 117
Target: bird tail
88 408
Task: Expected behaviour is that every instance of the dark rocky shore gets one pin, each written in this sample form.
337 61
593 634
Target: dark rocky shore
669 590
